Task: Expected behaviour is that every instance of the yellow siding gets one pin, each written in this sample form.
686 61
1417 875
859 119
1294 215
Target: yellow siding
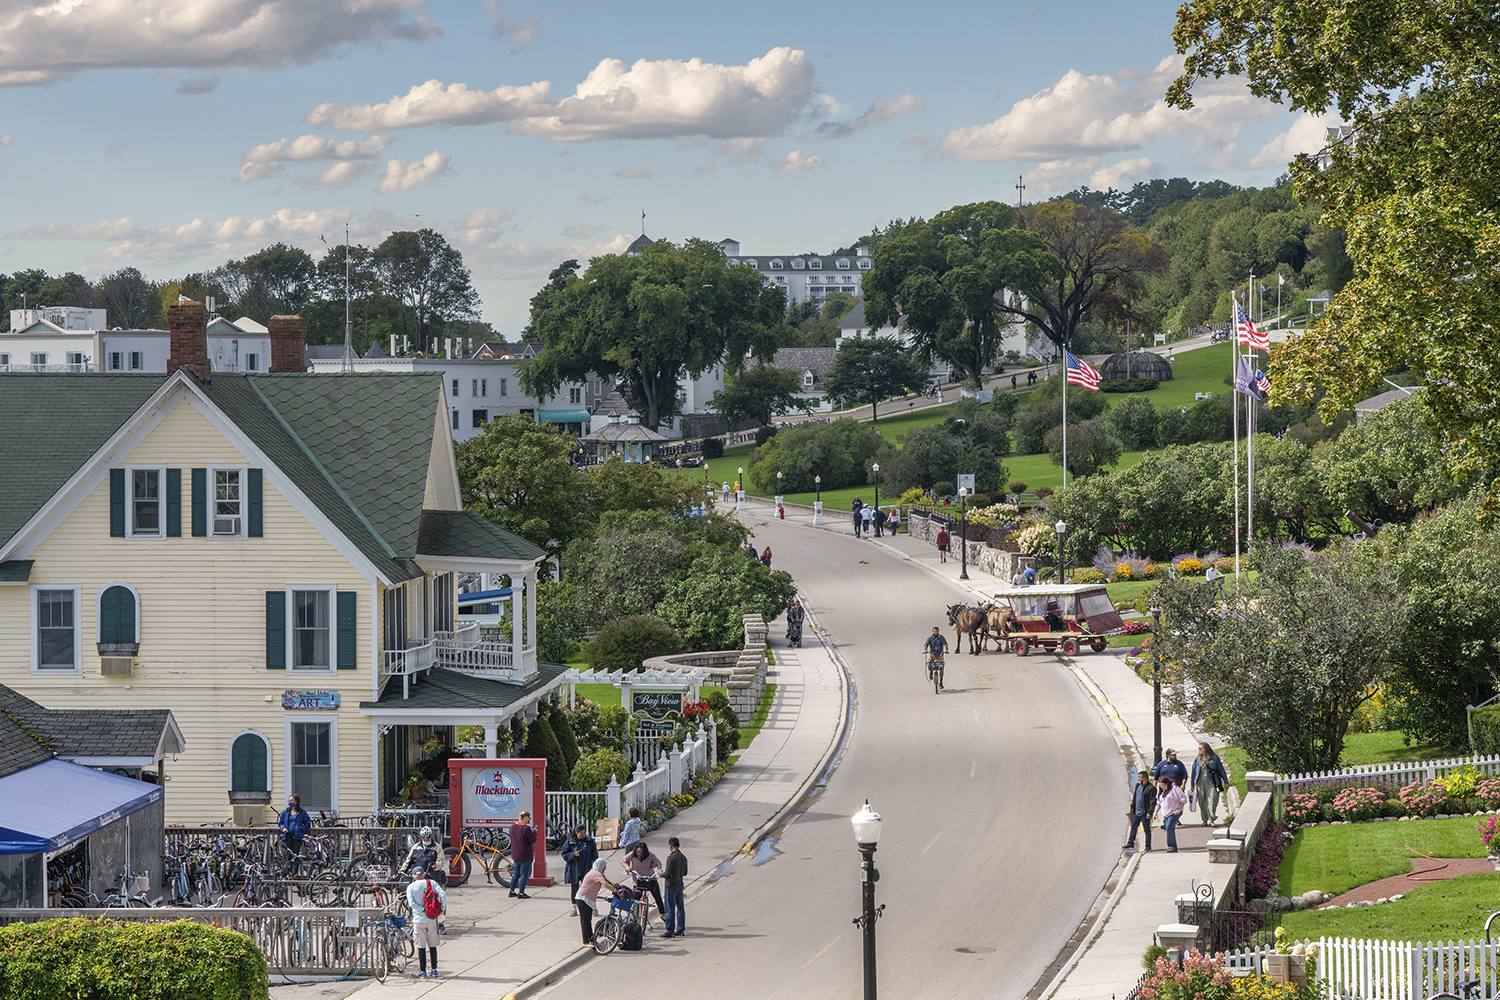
202 633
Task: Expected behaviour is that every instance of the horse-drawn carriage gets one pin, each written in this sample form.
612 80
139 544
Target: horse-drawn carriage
1062 617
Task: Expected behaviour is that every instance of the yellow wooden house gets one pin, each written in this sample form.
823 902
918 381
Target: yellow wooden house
276 558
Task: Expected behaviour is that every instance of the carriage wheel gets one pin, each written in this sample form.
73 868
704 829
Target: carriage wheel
1100 645
1070 647
1022 647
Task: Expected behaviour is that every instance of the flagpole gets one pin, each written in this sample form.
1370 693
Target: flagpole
1250 445
1234 402
1063 371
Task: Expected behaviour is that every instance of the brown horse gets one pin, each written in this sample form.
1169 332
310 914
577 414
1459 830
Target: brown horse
965 621
995 624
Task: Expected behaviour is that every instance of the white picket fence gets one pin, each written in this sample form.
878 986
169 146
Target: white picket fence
1357 969
566 810
1396 772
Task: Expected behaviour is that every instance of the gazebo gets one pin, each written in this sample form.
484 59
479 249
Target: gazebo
629 440
1136 364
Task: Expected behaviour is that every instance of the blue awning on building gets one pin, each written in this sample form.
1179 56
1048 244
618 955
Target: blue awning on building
55 804
483 596
565 416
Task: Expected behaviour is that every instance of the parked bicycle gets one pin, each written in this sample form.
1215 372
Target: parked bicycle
494 860
628 907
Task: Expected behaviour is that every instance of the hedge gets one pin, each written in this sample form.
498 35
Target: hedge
84 959
1128 384
1486 723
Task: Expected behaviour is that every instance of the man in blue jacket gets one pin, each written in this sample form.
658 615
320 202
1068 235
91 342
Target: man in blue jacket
295 824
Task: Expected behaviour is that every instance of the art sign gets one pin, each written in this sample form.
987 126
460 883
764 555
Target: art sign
656 704
310 701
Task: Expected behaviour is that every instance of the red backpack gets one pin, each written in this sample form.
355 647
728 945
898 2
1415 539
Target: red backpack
431 905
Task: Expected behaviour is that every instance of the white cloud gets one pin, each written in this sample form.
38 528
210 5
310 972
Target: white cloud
651 99
432 103
1121 175
5 140
1098 114
484 227
635 173
582 231
194 85
46 40
229 237
795 162
340 175
740 150
529 261
269 158
883 110
403 175
1308 134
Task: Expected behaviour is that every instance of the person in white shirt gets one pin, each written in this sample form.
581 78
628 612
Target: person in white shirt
1171 800
424 929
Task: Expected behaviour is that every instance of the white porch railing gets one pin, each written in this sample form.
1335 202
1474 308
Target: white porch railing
463 636
495 660
407 663
1357 969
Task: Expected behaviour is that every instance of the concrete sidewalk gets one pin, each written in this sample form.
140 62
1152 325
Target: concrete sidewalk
1104 958
516 947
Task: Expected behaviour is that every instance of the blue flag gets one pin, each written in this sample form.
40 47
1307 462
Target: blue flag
1245 380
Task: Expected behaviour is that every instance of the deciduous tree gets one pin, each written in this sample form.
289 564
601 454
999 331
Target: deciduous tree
427 275
758 393
870 369
518 474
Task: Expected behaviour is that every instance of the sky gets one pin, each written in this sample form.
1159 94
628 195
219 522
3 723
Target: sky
171 136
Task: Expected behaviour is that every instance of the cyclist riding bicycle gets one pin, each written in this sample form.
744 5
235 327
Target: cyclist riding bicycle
935 647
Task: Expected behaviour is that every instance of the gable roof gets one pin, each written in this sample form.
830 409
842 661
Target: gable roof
357 446
460 533
818 360
30 734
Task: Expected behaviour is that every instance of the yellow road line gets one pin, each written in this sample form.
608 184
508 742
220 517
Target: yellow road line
972 766
934 840
819 955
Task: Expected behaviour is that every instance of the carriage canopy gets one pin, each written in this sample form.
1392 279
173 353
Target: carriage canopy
1084 603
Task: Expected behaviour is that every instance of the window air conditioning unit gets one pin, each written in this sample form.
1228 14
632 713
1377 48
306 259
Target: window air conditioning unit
117 666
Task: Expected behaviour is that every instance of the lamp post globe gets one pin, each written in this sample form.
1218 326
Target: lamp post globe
876 467
866 824
1061 527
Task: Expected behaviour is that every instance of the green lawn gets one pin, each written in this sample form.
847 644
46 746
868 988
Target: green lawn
1338 858
1437 911
607 694
1379 748
1234 760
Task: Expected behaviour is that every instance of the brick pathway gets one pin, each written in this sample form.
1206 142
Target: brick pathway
1423 870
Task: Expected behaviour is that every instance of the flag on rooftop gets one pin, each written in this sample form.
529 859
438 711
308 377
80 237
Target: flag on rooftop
1080 372
1245 330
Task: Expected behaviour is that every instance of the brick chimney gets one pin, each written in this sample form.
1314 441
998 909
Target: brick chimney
188 325
288 344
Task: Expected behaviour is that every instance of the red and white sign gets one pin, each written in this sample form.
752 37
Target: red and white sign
493 792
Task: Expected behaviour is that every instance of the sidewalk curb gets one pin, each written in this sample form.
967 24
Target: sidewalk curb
552 974
1092 925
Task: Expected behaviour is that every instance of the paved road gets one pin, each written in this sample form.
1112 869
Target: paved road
996 797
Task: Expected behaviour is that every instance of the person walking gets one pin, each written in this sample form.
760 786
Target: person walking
1171 768
579 852
894 521
858 520
645 866
1171 799
942 545
1208 781
1142 808
868 513
522 853
1019 579
752 552
295 824
1013 382
587 897
424 927
765 557
676 872
726 491
879 519
632 831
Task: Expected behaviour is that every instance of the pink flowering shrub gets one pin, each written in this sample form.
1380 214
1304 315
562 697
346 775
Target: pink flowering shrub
1423 798
1355 804
1302 809
1488 831
1488 789
1202 977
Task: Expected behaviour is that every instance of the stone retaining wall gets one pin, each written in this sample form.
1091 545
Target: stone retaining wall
742 672
995 562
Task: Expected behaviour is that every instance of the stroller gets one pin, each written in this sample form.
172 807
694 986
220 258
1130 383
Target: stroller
794 634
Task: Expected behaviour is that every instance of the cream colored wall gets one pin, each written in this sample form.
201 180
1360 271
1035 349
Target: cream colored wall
202 631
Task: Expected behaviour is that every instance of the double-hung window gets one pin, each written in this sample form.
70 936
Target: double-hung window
575 396
474 387
311 632
56 636
116 362
229 503
484 387
313 761
502 387
144 494
137 361
252 362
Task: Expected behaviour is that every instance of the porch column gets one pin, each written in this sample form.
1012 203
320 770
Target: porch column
531 612
515 620
491 739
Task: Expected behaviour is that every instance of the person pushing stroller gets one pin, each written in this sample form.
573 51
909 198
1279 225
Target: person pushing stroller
794 618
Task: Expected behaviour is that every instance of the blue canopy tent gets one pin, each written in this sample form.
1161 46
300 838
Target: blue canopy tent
482 602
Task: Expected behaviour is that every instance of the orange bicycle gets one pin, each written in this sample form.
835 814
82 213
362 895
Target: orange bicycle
494 860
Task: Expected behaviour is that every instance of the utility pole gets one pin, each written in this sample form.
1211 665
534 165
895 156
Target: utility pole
1020 191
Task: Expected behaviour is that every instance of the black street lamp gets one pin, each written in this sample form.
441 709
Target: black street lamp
1156 685
876 467
963 531
866 825
1061 527
818 482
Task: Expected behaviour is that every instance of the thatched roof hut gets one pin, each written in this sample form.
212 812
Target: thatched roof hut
1142 364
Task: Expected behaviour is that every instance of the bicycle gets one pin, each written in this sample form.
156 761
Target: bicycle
934 672
627 907
495 862
130 891
1466 989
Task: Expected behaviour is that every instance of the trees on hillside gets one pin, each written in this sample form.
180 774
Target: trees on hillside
649 319
870 369
1412 181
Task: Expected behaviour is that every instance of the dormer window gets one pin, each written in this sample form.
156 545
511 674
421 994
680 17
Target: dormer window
864 264
816 264
776 264
843 263
807 378
798 264
753 265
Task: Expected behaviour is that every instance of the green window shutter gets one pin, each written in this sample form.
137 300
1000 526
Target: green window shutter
117 503
200 503
253 495
117 616
346 623
247 764
275 630
174 503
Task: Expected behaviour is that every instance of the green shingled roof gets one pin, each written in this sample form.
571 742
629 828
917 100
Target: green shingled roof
358 446
442 688
463 533
15 571
53 424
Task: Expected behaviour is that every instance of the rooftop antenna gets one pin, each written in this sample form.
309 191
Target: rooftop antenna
643 222
1020 190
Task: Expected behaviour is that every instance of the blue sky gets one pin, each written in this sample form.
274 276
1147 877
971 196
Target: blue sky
171 136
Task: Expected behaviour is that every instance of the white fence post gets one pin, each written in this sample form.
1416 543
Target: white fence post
713 742
612 798
674 769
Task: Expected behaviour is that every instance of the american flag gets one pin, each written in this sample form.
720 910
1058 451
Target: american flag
1261 382
1245 329
1080 372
